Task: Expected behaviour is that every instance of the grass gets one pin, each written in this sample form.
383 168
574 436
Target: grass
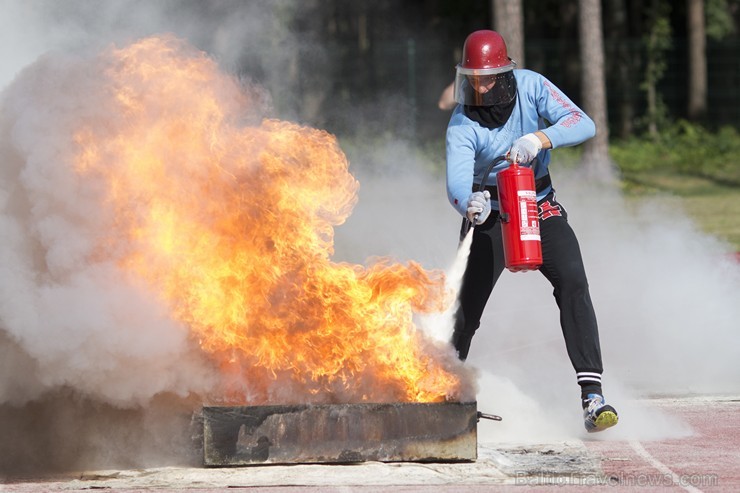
709 194
714 206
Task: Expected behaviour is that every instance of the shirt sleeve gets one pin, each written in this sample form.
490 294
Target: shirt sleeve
570 124
460 165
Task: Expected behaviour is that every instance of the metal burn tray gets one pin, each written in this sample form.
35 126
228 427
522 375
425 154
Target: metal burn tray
339 433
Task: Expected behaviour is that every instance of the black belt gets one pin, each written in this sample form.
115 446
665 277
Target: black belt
540 184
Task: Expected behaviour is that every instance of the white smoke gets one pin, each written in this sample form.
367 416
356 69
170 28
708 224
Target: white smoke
228 29
90 361
78 320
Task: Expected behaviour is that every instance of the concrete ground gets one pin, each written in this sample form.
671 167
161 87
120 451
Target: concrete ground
707 458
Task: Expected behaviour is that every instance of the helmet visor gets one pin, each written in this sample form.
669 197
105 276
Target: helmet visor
485 90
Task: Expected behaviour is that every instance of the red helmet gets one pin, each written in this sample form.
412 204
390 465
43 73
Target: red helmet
484 76
484 53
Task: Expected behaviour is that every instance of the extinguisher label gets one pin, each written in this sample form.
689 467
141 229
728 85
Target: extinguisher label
528 215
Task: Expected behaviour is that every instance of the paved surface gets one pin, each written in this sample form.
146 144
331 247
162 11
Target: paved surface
706 458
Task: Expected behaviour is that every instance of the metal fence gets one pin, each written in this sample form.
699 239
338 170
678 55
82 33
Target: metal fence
394 86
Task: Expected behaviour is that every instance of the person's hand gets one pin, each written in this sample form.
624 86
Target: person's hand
524 149
479 207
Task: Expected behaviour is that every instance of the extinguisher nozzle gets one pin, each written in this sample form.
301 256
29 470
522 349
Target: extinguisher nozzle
473 223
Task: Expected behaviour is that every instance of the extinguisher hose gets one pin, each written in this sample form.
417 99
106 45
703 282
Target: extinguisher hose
483 183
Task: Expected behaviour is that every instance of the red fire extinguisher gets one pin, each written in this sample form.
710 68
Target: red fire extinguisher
520 223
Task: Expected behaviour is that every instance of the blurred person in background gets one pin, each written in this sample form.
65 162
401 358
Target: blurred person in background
447 98
500 110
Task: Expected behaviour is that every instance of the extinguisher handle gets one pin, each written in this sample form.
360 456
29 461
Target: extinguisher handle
530 164
484 180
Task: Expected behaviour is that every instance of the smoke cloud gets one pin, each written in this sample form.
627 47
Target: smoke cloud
235 32
94 372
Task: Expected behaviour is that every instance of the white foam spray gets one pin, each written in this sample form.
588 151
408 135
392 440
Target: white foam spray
440 325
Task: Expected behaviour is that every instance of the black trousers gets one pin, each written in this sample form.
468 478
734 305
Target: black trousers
562 266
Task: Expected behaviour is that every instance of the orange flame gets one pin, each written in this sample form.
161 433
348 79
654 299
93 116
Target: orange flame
232 225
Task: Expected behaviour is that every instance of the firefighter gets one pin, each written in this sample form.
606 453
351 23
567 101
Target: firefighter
502 110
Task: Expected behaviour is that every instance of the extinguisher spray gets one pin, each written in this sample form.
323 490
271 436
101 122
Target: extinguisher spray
520 223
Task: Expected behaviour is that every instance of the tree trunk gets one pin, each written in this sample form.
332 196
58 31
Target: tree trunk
593 86
658 41
508 21
697 60
622 64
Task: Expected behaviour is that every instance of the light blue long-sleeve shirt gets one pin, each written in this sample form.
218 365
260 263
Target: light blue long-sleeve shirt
540 105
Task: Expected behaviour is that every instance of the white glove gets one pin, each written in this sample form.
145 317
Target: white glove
524 149
479 207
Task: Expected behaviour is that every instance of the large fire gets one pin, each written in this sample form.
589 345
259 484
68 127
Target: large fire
231 223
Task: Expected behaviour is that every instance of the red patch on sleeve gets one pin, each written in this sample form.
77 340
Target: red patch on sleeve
455 201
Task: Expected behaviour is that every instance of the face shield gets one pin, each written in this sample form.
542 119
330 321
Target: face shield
485 87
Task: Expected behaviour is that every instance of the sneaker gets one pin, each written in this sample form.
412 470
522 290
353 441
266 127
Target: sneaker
597 414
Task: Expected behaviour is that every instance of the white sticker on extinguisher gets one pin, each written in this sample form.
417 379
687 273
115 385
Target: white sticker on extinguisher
529 227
